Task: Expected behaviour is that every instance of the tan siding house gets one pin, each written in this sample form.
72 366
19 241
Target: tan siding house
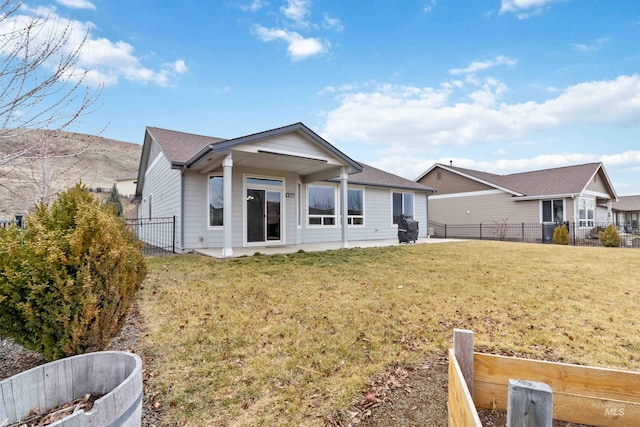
572 193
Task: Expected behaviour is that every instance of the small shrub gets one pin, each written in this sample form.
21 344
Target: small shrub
610 236
69 279
561 235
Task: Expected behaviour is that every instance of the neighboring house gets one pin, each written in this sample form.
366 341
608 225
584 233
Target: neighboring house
626 212
126 184
570 193
283 186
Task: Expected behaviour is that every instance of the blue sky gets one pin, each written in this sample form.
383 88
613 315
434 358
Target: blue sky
496 85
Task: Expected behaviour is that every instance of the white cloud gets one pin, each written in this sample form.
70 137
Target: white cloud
254 6
297 11
426 118
428 6
581 47
332 23
298 47
524 9
100 61
180 67
77 4
484 65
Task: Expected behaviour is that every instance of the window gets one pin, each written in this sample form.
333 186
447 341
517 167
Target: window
355 206
586 212
322 205
216 201
552 211
402 205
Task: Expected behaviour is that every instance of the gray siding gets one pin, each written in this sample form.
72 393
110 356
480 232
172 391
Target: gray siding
163 185
377 218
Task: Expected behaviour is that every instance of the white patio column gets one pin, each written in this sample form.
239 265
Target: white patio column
227 178
344 207
609 213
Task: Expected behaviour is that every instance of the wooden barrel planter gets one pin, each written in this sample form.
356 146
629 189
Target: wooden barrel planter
115 376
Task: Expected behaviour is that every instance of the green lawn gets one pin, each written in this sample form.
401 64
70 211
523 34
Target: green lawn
288 340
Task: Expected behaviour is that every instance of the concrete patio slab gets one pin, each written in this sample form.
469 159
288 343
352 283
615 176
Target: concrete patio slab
314 247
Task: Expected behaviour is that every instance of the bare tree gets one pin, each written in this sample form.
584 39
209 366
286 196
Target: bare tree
43 90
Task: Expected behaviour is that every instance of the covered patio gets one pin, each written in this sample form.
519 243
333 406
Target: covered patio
315 247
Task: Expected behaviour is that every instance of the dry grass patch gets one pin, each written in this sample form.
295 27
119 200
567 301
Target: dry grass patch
289 340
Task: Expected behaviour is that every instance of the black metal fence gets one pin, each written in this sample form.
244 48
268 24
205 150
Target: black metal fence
579 235
158 235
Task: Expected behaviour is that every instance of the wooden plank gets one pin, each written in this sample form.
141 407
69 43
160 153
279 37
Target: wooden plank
462 411
529 404
561 377
463 349
573 408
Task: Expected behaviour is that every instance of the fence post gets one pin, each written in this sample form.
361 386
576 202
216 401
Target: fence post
530 404
445 231
480 231
173 236
523 232
463 350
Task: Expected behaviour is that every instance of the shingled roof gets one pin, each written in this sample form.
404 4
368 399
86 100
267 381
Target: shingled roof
179 147
556 181
182 148
627 204
380 178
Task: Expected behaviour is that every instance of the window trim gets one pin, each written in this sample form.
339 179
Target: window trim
587 222
413 202
351 217
209 226
564 210
335 215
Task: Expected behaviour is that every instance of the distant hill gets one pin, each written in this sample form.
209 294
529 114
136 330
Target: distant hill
103 162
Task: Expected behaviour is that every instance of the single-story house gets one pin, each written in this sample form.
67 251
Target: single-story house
570 193
284 186
126 184
626 212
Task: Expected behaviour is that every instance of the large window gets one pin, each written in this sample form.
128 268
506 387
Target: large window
322 205
402 205
216 201
355 206
586 212
552 211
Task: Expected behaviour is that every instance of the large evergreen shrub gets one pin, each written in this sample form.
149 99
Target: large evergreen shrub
68 280
561 235
610 236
